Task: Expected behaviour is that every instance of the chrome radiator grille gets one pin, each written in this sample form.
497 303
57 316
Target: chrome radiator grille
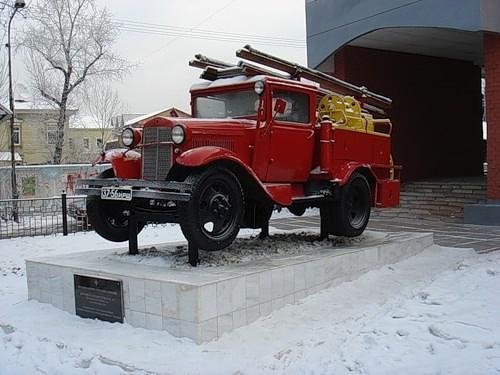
156 157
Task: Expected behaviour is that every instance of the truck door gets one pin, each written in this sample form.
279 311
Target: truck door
291 137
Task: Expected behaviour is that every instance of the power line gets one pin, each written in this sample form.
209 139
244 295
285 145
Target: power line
366 18
217 36
210 16
172 28
195 33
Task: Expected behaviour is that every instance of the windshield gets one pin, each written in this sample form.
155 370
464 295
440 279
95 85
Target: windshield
227 104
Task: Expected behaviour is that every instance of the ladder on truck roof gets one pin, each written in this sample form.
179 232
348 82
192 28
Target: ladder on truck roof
215 69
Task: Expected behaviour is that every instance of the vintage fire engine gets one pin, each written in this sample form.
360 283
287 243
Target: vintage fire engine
257 139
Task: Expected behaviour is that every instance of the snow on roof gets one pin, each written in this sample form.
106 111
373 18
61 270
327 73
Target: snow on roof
21 104
6 156
226 81
27 105
83 121
148 115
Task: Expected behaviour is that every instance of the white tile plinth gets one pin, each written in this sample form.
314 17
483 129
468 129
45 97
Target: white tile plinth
204 302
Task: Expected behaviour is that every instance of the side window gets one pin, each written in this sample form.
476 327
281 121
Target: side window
51 135
297 108
17 136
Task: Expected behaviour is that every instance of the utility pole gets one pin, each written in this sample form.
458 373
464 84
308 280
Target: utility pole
17 5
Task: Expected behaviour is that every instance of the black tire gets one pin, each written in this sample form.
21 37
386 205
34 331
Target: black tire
106 217
350 214
212 217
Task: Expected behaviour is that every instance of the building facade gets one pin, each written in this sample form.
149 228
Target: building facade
35 130
430 57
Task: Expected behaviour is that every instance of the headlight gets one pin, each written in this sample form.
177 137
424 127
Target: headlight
128 137
259 87
178 134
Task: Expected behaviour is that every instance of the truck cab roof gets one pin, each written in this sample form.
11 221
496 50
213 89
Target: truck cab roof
241 80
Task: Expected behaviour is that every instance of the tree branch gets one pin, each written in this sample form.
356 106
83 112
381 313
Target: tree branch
85 71
50 97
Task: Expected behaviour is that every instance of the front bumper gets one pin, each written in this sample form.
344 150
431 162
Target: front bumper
164 190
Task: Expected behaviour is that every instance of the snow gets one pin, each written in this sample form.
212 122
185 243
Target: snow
437 312
84 121
244 250
7 156
226 81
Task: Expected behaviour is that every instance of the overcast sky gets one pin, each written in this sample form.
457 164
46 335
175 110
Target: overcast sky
163 77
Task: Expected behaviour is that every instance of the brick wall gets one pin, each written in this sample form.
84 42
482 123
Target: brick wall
436 108
492 96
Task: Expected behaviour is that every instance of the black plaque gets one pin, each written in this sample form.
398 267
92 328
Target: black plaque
98 298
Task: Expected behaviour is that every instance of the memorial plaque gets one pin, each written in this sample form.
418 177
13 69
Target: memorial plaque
98 298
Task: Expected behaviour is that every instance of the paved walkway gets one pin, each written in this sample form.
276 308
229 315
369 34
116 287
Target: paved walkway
483 239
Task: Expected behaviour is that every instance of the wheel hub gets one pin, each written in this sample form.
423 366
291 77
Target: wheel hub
219 205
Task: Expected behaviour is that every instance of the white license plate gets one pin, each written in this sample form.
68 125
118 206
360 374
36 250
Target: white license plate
116 194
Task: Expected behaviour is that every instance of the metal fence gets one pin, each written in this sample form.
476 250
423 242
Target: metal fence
43 216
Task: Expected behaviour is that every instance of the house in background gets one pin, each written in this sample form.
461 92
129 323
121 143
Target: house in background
85 139
35 130
167 112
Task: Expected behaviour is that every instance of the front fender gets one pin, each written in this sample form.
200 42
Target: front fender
200 156
126 163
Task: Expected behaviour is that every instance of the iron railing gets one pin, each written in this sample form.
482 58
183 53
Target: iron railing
43 216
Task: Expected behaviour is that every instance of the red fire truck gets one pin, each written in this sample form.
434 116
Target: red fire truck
257 139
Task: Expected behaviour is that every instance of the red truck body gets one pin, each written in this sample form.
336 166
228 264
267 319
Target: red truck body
261 156
280 156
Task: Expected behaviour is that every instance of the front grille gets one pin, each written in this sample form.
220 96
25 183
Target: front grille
156 157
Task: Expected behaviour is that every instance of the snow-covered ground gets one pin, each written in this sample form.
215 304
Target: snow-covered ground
435 313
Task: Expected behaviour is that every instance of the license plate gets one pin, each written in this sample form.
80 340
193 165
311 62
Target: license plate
116 194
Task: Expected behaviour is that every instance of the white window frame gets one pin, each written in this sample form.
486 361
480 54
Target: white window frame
17 129
86 147
51 129
97 146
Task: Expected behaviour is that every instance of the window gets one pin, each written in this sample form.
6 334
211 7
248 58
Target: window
231 104
86 143
297 108
98 143
51 135
17 136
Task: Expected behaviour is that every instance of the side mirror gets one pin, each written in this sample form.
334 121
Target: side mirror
280 106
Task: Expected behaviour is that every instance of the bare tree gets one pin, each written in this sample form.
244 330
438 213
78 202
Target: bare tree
102 104
69 42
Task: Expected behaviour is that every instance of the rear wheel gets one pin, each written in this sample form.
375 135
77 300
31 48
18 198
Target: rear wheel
211 219
350 214
106 217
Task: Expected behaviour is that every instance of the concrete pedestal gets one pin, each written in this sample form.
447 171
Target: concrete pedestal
204 302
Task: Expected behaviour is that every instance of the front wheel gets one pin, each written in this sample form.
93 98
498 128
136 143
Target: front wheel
211 219
350 214
107 219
